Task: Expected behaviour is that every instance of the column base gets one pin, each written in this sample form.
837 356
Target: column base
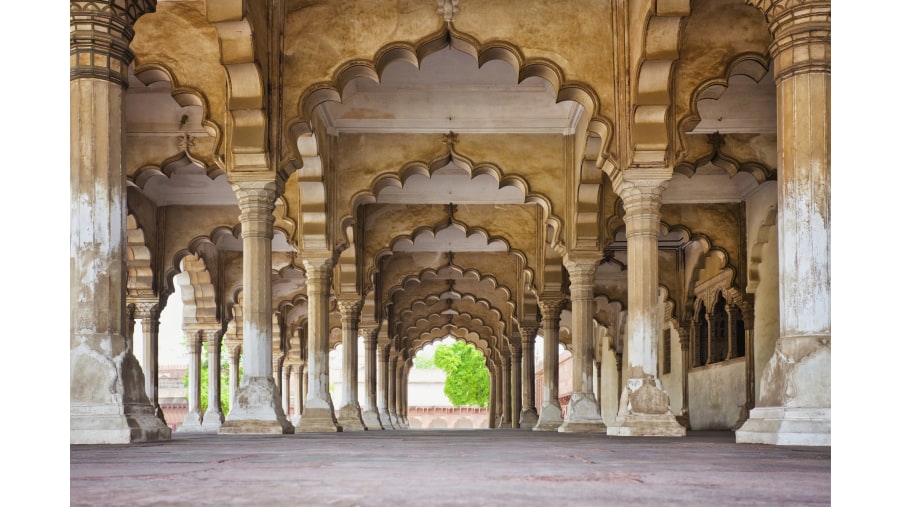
111 424
550 418
212 421
786 426
318 420
394 421
385 418
192 423
108 404
350 419
528 419
583 415
371 420
257 409
644 412
296 420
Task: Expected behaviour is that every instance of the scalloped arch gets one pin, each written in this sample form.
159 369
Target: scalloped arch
139 281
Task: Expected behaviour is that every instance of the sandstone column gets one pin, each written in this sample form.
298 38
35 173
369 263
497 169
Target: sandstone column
193 420
505 403
233 347
794 406
297 377
404 392
318 411
392 390
551 413
492 402
644 405
349 414
148 312
257 407
515 391
213 417
370 411
529 416
286 389
107 400
583 414
384 414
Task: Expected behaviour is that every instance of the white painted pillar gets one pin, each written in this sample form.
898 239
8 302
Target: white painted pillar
349 413
318 411
551 413
257 407
384 414
644 406
107 401
794 406
529 416
515 386
370 411
193 419
583 413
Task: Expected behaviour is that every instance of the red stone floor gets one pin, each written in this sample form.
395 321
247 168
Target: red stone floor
446 467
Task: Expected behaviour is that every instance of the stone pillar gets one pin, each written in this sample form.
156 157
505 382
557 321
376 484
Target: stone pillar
644 404
107 400
515 391
583 414
404 395
233 347
148 312
529 416
492 401
794 406
286 389
749 362
349 413
384 387
686 361
370 410
391 387
710 329
213 417
297 377
257 407
193 420
551 413
318 411
505 402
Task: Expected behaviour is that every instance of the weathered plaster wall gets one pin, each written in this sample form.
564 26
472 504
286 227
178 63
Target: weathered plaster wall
609 382
672 382
764 238
716 394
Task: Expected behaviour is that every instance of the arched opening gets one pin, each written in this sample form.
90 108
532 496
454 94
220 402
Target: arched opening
448 387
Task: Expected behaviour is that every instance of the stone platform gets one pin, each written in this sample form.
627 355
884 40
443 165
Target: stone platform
446 467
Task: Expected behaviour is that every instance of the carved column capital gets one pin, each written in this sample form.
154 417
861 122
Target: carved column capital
528 333
802 33
641 192
100 33
581 278
256 200
349 308
551 308
146 309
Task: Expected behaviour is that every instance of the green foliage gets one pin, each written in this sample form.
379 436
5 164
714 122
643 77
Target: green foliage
424 362
204 382
468 382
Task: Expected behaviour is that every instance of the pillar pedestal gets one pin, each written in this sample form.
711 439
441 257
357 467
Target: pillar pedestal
644 412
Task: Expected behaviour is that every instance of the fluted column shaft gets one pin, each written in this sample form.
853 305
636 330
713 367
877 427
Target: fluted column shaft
392 390
349 413
108 403
384 386
148 312
370 411
193 418
794 406
286 389
529 415
515 390
318 411
583 414
297 372
258 404
233 347
505 402
213 417
551 412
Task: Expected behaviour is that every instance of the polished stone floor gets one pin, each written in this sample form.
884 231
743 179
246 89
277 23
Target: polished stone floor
445 467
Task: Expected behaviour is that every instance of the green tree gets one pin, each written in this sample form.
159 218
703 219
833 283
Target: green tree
468 382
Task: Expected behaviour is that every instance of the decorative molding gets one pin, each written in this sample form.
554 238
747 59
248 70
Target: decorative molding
447 8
